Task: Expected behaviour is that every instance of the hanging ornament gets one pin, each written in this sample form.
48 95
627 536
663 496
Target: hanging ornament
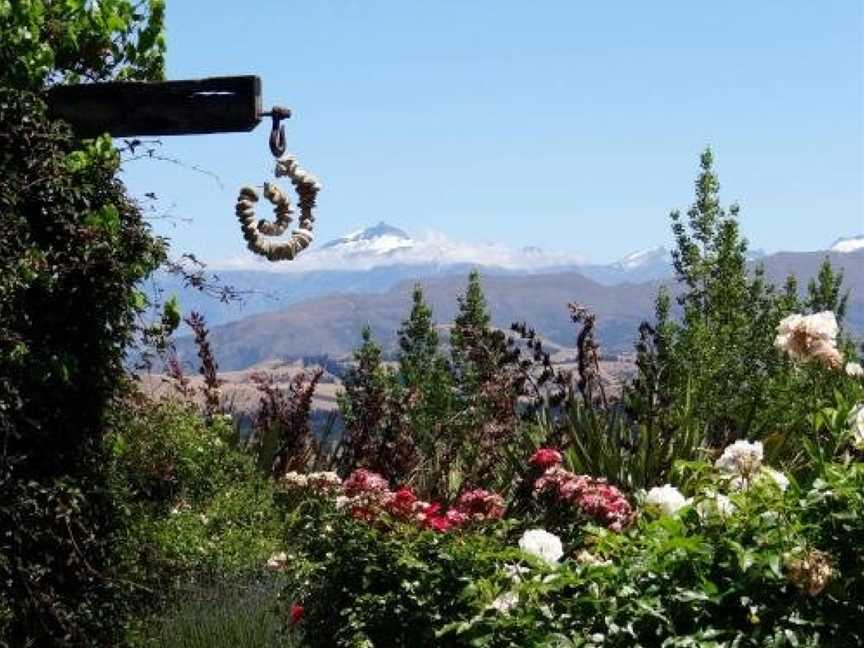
305 185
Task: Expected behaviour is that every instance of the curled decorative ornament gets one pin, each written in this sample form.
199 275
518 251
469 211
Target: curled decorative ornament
307 188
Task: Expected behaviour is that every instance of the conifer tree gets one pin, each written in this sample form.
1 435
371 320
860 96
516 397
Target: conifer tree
418 340
363 405
424 374
476 350
824 292
723 345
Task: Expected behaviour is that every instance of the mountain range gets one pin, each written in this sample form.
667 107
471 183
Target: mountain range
378 258
366 278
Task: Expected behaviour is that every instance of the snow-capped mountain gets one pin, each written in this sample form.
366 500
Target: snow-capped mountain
645 258
380 239
375 261
848 244
385 245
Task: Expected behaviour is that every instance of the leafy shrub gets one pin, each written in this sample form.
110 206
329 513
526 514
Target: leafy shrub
196 504
72 248
756 566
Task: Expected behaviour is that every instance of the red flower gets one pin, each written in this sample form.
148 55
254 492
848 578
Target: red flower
401 504
545 458
480 505
438 523
592 497
296 613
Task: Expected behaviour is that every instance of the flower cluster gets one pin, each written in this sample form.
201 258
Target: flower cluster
542 544
366 495
741 462
545 458
667 499
480 505
321 483
592 497
742 458
807 338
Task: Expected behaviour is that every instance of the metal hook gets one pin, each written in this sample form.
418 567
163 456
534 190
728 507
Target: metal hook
277 133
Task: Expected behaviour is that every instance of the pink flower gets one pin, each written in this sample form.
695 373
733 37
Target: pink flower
402 504
592 497
545 458
455 518
480 505
367 494
364 481
296 614
438 523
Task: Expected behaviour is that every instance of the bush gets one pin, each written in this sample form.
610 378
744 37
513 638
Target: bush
197 506
742 563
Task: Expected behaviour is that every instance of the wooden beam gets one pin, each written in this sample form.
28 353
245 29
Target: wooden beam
124 109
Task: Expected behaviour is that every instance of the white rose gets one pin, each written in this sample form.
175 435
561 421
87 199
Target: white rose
741 458
667 498
854 370
542 544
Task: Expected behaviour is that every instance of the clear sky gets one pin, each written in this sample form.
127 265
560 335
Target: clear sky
568 125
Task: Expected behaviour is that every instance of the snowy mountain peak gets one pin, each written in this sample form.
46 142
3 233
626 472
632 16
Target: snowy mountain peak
848 244
380 238
643 258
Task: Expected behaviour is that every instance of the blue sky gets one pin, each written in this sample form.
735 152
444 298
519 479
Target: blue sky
572 126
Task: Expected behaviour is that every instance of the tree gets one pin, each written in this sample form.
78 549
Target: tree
373 409
825 292
723 344
425 376
418 341
73 247
477 350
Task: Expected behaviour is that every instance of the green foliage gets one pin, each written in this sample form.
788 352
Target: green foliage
363 587
72 249
75 40
372 408
723 343
706 576
195 504
825 292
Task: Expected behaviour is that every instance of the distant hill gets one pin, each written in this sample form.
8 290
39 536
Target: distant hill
330 325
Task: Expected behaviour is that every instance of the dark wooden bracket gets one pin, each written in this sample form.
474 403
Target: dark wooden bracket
125 109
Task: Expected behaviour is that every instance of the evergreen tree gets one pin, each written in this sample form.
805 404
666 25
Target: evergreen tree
425 388
824 292
723 345
476 350
418 341
363 405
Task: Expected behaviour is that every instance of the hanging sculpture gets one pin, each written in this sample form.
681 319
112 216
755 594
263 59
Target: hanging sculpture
214 105
307 188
